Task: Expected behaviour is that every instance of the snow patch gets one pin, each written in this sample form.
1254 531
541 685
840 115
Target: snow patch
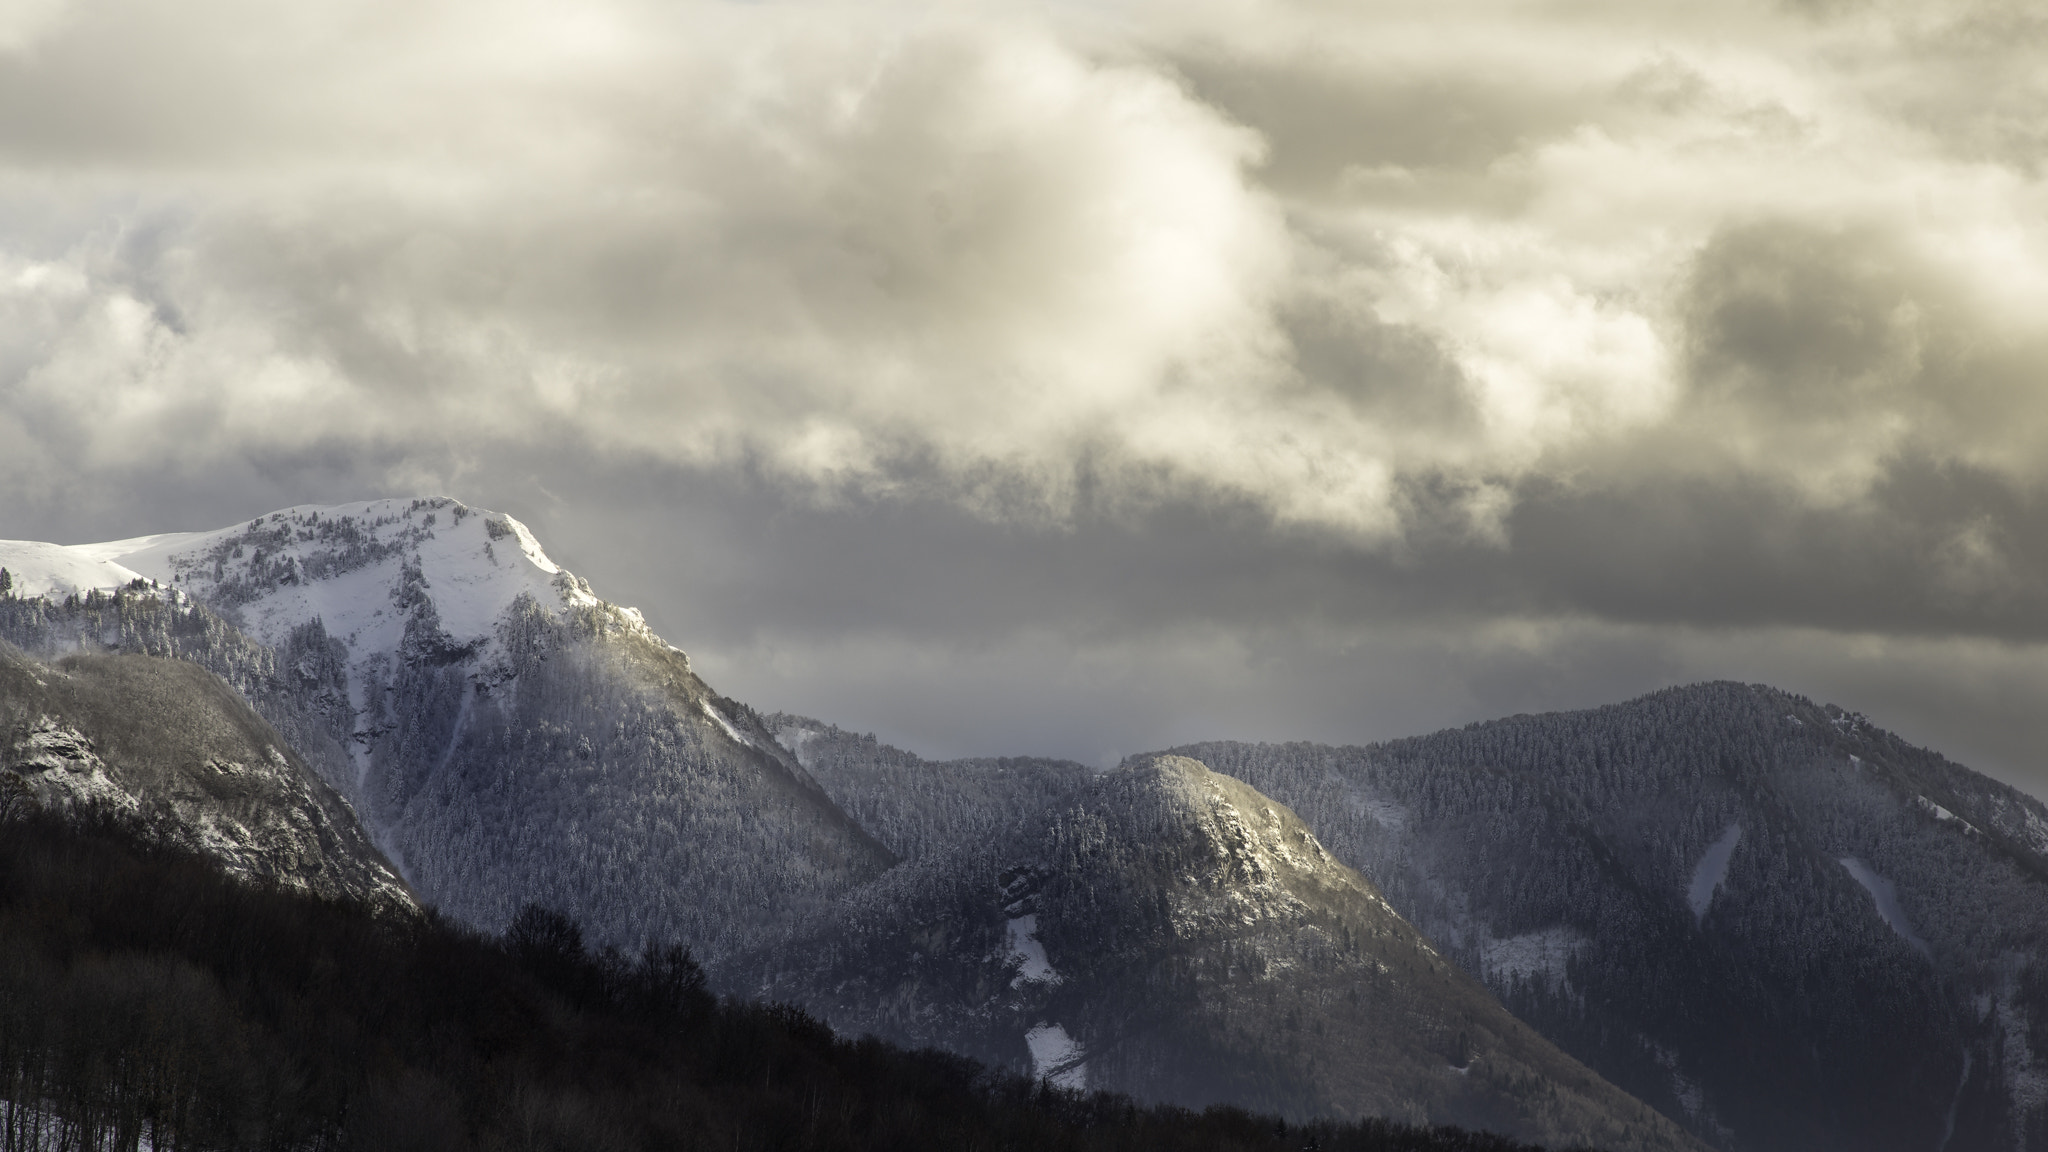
1543 954
1021 939
1712 869
1057 1057
795 740
1942 814
1886 897
719 718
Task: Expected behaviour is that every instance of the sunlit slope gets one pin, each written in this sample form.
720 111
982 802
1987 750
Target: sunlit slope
169 744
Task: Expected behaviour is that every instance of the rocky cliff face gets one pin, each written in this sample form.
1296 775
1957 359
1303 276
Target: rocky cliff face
170 745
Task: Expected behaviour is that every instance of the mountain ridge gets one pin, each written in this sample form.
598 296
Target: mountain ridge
1777 924
1900 891
505 734
1169 932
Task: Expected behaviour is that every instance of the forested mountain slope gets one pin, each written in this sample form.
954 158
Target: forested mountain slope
506 735
1168 932
1782 927
918 807
1770 918
147 1001
177 749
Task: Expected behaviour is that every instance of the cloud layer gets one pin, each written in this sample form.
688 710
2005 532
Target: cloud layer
1478 312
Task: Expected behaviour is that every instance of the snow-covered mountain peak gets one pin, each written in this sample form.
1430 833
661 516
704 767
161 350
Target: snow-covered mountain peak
363 569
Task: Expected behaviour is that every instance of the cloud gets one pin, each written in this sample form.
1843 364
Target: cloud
1329 261
1192 323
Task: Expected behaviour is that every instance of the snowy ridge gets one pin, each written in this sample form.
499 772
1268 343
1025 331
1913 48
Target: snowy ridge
349 565
57 570
378 575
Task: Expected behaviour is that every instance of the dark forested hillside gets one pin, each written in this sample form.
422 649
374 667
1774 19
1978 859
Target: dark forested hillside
147 1000
917 807
1771 919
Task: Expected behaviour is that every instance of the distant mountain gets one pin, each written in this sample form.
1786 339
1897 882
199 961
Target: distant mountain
170 745
506 735
1168 932
1773 920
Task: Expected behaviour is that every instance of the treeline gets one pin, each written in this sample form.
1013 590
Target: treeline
146 1000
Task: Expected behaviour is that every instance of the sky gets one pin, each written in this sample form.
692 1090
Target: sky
1077 379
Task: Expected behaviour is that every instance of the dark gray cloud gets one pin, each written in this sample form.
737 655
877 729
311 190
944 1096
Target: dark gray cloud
1023 378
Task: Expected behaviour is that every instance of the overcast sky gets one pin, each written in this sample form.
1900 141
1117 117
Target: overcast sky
1077 379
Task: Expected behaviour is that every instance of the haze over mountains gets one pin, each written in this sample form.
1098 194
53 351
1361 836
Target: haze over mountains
1718 916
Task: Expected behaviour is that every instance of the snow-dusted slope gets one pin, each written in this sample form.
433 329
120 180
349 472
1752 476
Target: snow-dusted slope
1170 932
1793 931
363 571
38 569
506 735
170 744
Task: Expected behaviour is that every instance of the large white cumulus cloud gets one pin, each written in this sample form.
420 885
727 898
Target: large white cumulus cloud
1362 266
864 246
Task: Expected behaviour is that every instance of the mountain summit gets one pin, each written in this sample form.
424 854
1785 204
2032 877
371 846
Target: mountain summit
506 735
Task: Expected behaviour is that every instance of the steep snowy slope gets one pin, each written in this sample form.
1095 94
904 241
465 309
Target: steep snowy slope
170 744
506 735
1776 922
1171 933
